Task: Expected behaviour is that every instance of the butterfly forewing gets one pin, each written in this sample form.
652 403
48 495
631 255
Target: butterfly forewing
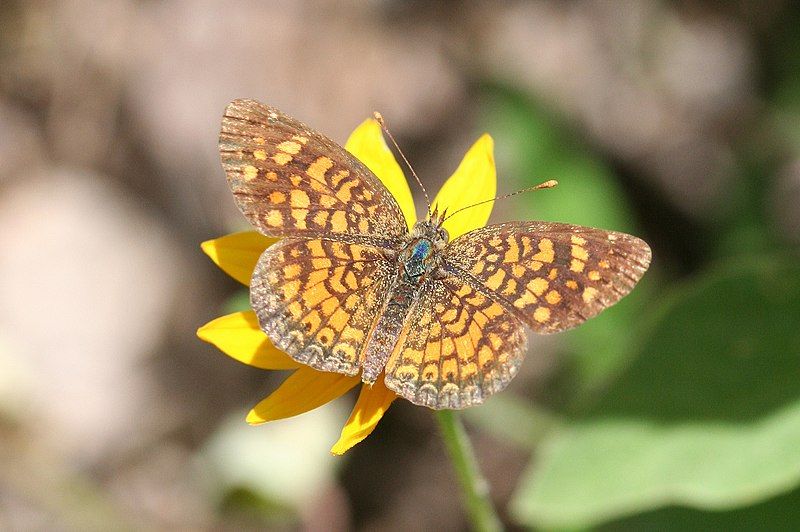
457 348
289 180
318 300
553 276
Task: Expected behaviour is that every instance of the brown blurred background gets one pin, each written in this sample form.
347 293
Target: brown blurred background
114 415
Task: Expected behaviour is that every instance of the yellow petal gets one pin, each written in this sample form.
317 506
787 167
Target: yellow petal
371 405
306 389
237 254
367 144
474 180
239 336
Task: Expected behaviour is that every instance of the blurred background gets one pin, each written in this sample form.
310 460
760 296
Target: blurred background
676 121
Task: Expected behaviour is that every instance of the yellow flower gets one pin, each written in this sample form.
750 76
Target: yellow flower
239 336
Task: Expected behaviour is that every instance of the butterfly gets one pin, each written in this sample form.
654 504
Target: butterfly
350 289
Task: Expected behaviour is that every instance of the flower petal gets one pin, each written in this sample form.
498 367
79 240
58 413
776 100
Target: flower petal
306 389
474 180
367 144
239 336
238 253
372 403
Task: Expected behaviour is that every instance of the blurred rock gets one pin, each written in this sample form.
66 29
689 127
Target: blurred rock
704 64
162 487
20 143
430 498
163 73
310 60
656 89
330 513
66 62
16 383
88 284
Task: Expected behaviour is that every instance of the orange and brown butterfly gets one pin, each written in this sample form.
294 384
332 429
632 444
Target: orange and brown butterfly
352 287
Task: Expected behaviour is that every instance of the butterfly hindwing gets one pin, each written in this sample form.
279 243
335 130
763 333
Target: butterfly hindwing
458 347
289 180
318 300
553 276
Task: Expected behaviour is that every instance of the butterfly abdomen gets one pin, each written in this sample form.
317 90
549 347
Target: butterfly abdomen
387 330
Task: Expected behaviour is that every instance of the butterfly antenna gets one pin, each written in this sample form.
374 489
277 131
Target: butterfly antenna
547 184
379 118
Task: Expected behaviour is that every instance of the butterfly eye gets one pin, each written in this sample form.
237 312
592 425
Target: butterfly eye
444 235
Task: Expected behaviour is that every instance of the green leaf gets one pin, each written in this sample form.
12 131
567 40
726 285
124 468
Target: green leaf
779 514
238 302
726 347
707 415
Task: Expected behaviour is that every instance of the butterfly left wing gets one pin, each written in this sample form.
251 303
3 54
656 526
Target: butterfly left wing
290 181
552 276
318 300
457 347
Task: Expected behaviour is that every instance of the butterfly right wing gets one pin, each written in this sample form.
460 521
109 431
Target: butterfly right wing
457 347
553 276
290 181
318 300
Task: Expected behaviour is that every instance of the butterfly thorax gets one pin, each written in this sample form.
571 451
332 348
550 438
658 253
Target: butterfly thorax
421 254
419 259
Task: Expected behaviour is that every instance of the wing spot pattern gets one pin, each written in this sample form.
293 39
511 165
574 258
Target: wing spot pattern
300 216
538 285
589 294
553 297
299 199
319 167
546 252
282 159
274 218
250 172
339 221
580 252
290 147
339 176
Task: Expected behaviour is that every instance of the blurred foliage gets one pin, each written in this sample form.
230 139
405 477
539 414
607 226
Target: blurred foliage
254 473
687 395
706 388
238 302
780 513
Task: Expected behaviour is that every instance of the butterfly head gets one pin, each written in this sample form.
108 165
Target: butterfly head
431 229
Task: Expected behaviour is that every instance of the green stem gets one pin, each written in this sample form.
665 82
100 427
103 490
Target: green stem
474 487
